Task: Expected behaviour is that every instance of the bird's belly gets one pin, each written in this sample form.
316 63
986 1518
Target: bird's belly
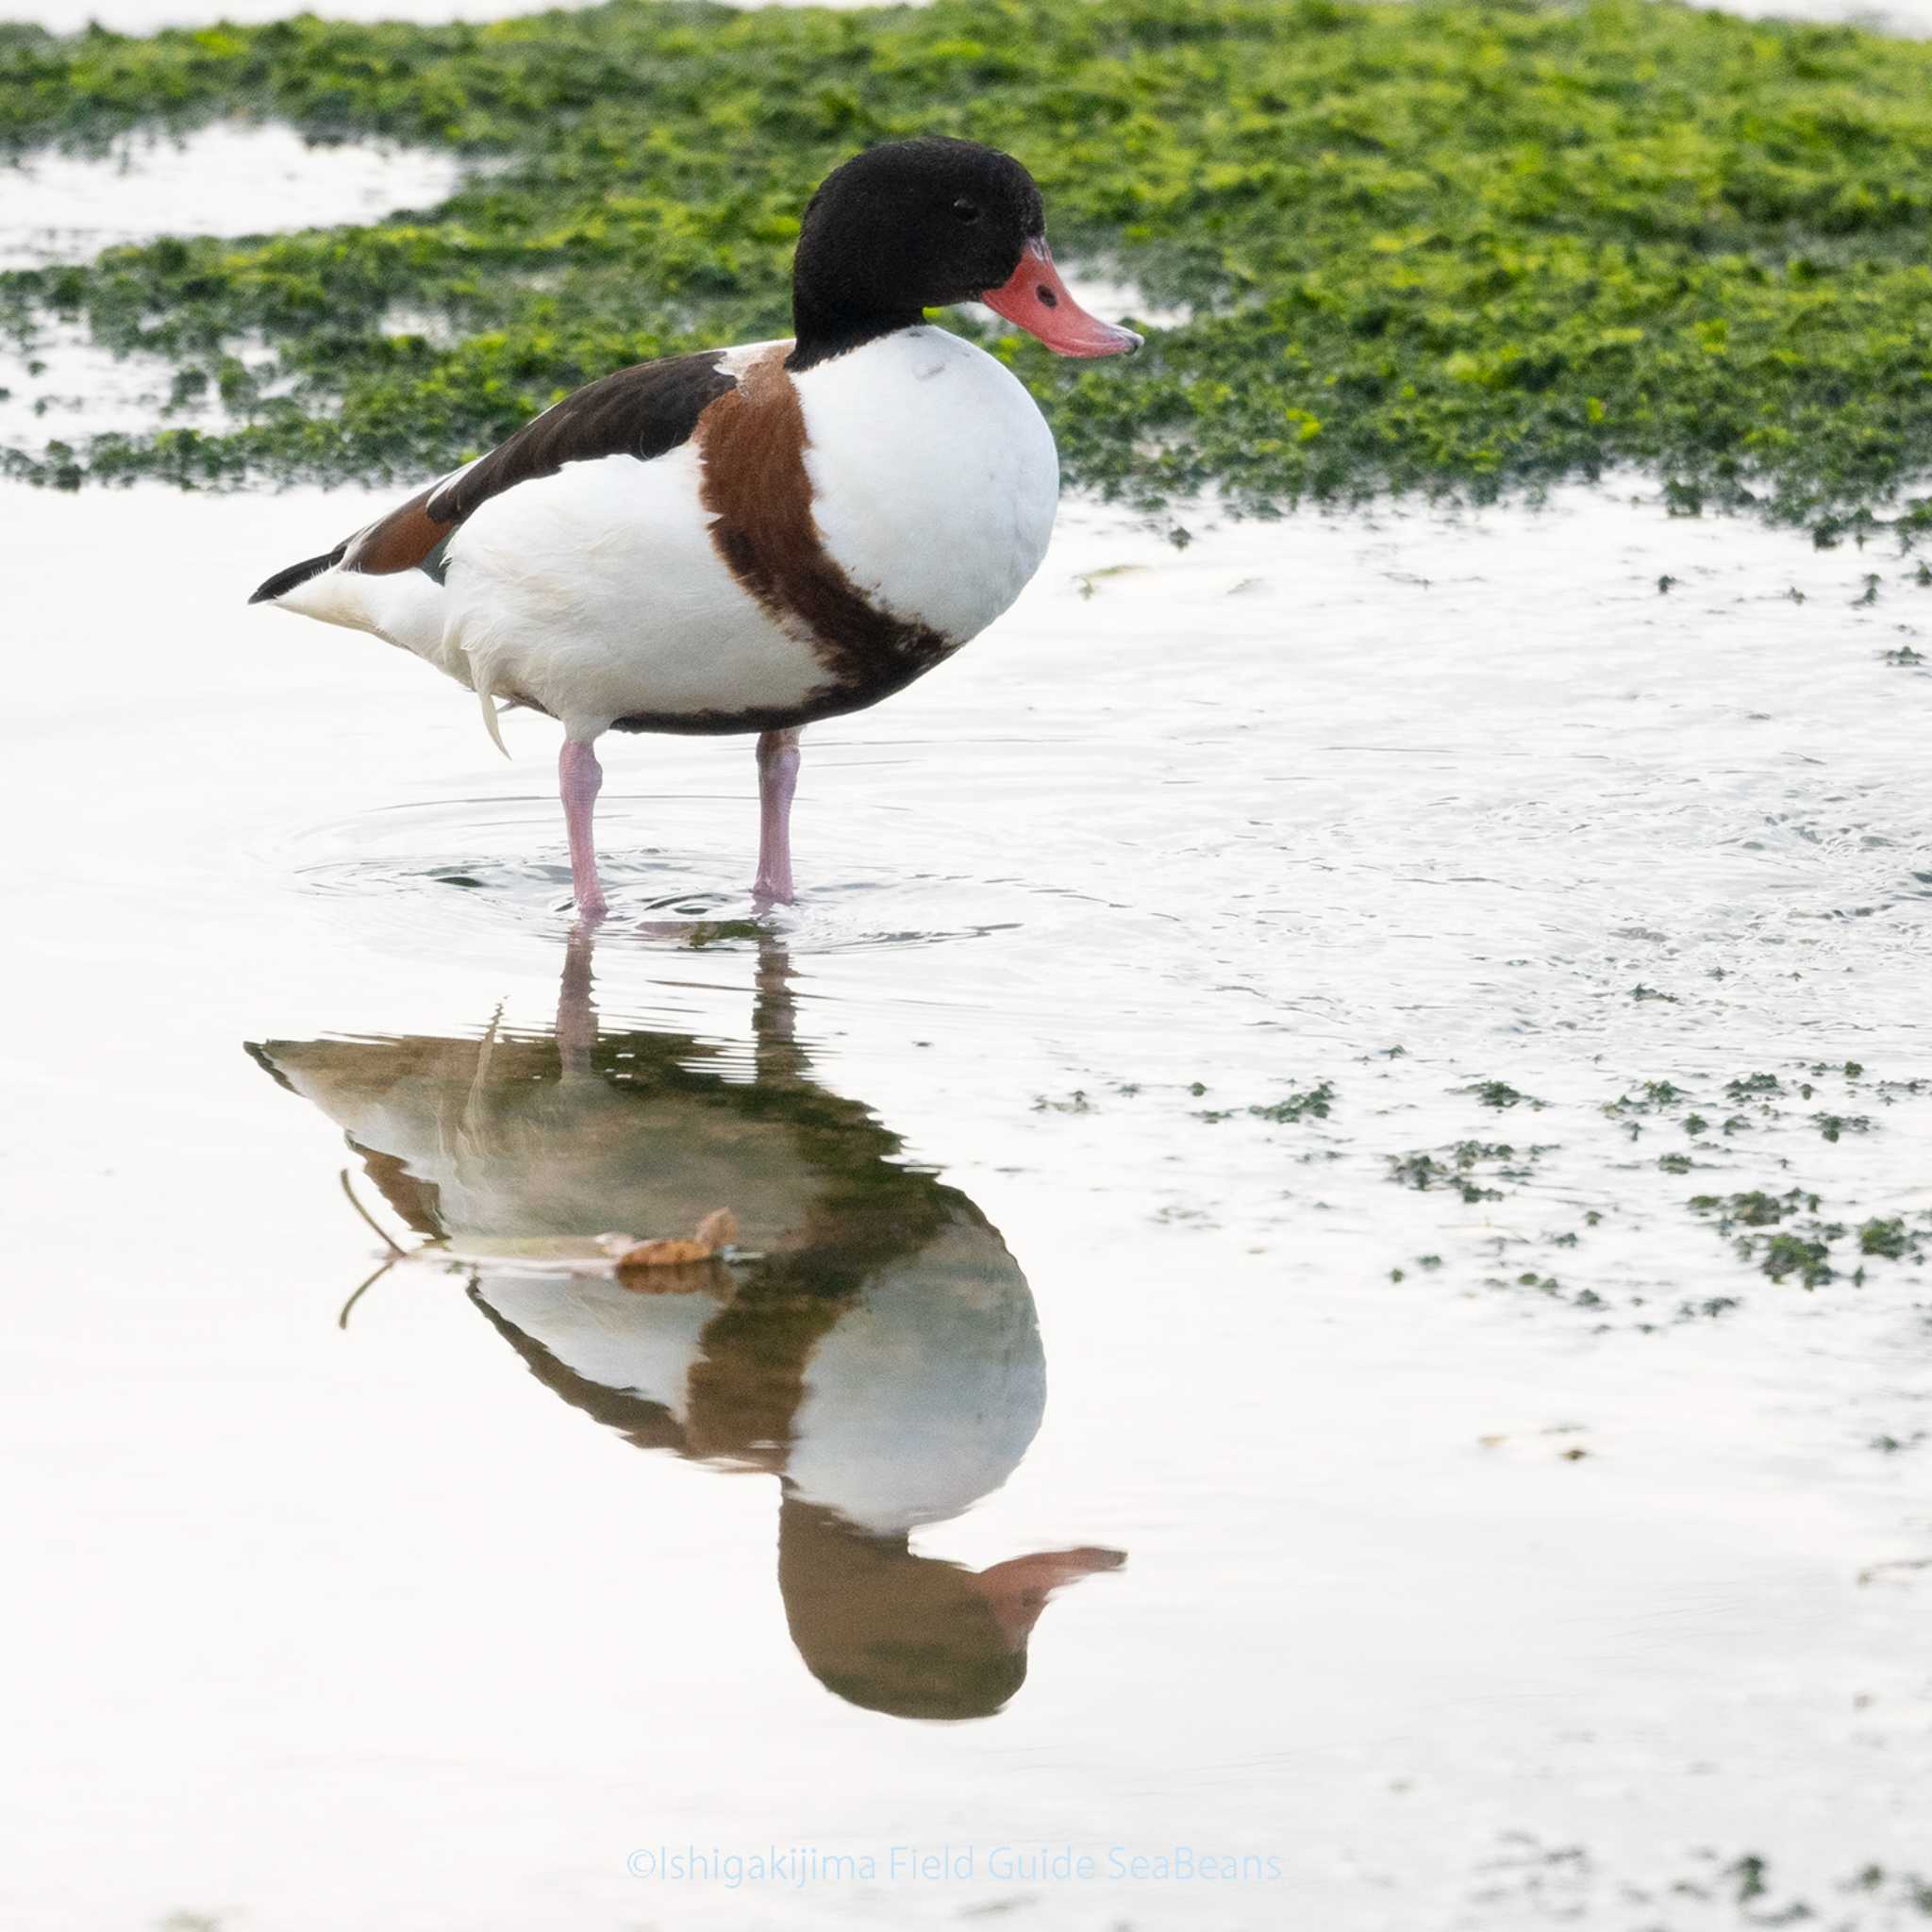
598 595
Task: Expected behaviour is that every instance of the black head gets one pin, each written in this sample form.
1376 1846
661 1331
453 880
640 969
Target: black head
911 225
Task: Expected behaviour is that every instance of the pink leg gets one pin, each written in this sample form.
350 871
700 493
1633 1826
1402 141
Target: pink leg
579 778
778 780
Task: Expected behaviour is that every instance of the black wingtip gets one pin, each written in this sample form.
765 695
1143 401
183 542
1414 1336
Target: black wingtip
285 580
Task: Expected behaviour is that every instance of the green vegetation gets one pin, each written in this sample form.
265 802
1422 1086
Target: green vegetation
1803 1243
1311 1102
1802 1248
1890 1238
1441 246
1755 1210
1463 1167
1499 1094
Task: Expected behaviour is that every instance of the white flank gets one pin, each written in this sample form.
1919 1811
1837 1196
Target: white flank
934 476
598 593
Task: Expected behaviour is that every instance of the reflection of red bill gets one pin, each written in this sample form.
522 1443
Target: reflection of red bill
1018 1588
1036 299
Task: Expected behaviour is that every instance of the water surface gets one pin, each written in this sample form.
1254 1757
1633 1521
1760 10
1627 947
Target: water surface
1221 1357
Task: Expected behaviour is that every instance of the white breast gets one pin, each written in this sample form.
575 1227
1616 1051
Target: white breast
925 1396
934 476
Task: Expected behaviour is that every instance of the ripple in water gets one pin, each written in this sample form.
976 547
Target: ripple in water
470 867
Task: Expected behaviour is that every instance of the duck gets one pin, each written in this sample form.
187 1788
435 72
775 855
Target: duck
751 540
874 1345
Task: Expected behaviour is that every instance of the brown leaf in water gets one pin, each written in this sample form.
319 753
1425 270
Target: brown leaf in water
716 1231
666 1252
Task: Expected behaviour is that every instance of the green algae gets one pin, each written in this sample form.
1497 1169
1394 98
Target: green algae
1784 1238
1500 1095
1784 1235
1890 1238
1447 247
1465 1168
1303 1104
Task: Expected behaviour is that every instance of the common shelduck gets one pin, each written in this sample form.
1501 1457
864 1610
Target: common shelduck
756 538
880 1354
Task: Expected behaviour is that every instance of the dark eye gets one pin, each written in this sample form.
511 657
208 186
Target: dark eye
966 211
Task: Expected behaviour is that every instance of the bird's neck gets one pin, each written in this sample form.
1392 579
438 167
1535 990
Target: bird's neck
823 329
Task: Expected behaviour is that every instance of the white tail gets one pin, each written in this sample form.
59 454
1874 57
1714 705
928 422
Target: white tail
403 607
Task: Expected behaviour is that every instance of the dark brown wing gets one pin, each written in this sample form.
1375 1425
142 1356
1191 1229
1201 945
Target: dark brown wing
641 411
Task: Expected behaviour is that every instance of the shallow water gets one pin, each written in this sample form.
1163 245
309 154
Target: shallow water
1070 1455
229 178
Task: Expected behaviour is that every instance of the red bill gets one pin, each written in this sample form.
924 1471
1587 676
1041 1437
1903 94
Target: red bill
1039 302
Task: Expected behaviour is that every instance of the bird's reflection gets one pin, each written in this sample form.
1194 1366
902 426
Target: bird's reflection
880 1356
